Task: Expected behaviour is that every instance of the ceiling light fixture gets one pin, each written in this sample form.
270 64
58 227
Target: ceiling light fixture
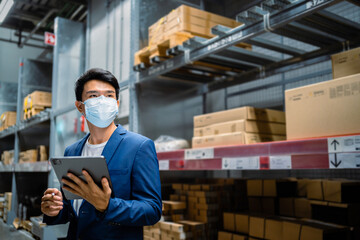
5 7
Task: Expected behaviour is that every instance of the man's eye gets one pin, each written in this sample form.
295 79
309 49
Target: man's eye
93 95
110 96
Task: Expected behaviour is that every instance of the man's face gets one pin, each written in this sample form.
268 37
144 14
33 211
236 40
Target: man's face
96 88
93 89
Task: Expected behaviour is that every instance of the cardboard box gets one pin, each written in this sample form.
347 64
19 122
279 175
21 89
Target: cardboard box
7 119
339 213
242 223
342 191
37 99
248 126
269 206
255 205
315 189
43 153
269 188
243 113
254 187
257 227
286 207
302 208
333 107
225 236
234 139
172 205
346 63
185 18
291 230
273 229
239 237
229 221
302 187
28 156
7 157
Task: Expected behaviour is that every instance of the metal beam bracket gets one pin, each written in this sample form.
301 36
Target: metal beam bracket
267 25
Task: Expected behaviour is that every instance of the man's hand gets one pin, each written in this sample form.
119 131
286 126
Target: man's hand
51 202
88 190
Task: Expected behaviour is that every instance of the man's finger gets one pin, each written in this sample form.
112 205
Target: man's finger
105 186
88 178
77 180
71 185
72 191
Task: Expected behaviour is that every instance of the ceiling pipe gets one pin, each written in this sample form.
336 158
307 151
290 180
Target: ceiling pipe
76 12
38 25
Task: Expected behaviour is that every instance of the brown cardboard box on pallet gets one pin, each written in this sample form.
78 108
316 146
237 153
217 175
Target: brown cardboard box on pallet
248 126
346 63
234 139
242 113
333 107
7 119
257 227
188 19
315 189
273 229
242 223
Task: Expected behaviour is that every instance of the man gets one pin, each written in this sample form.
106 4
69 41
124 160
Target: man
135 197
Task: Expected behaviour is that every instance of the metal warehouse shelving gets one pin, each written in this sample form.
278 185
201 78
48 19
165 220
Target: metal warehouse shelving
42 128
308 22
305 21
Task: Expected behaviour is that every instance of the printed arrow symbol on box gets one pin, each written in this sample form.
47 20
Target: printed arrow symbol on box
334 143
336 163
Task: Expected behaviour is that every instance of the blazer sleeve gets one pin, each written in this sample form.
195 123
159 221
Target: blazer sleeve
145 206
65 214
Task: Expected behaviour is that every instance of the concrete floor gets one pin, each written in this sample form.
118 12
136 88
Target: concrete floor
10 233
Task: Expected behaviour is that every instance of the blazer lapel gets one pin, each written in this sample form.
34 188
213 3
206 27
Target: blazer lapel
113 143
80 146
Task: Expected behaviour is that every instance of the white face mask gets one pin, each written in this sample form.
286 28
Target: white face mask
101 111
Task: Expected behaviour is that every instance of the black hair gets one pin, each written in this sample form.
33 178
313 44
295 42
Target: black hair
95 74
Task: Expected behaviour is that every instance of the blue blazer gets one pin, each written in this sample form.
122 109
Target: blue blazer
136 193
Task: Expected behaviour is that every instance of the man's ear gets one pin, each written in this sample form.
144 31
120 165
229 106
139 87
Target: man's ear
118 103
80 106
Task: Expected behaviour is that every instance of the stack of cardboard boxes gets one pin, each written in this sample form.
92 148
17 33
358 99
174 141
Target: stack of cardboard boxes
174 210
297 209
178 26
328 108
34 155
7 119
243 125
152 232
36 102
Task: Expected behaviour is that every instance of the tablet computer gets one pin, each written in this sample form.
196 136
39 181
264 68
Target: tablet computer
95 166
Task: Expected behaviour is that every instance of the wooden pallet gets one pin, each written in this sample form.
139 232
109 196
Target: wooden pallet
159 52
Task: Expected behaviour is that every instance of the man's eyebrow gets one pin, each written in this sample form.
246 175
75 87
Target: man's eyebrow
91 92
